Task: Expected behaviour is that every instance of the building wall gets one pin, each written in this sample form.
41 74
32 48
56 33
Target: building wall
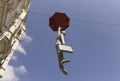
10 10
12 17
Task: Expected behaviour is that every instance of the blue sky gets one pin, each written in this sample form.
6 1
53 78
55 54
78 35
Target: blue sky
96 46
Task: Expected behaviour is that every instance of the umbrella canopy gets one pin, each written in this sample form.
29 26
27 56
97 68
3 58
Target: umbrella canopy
59 20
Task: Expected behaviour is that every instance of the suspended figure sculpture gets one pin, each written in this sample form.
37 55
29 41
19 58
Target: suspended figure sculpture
59 22
13 14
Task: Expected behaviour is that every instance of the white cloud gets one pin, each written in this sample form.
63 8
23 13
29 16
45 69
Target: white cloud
14 58
9 74
21 69
21 49
26 38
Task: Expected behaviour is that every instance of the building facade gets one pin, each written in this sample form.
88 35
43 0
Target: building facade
13 14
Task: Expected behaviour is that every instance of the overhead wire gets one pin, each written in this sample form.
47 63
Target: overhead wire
99 22
41 14
75 19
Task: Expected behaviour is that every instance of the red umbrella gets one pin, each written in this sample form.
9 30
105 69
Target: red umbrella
59 20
